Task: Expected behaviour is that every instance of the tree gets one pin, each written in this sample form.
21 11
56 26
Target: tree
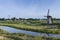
14 18
2 19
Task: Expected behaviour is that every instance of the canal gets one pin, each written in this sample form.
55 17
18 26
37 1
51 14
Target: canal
14 30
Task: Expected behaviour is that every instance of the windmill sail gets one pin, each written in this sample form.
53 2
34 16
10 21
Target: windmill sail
48 12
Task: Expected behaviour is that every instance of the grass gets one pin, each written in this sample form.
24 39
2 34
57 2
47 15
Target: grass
42 28
29 28
19 36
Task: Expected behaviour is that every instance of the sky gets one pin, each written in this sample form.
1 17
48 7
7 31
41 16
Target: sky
29 8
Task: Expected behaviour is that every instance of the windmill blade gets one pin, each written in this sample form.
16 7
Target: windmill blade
45 16
48 12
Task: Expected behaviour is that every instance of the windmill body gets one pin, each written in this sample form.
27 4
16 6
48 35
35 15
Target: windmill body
49 18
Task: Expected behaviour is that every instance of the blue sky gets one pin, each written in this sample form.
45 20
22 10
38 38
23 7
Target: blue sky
29 8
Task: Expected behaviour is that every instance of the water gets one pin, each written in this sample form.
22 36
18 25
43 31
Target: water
14 30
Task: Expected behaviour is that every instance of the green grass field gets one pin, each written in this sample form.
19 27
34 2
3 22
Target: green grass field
36 26
54 28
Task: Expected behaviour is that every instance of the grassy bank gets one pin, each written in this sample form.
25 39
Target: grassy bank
19 36
42 29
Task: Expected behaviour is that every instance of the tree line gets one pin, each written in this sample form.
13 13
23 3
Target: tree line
14 18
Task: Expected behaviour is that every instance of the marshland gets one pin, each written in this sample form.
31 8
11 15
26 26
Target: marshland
29 29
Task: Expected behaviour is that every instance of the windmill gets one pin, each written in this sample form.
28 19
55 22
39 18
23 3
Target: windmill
49 18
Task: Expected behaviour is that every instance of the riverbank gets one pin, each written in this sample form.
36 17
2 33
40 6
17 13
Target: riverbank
32 28
20 36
